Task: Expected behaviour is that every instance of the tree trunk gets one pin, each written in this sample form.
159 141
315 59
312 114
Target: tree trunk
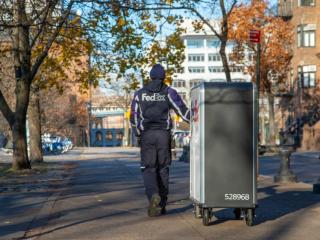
34 117
24 74
22 66
272 134
20 151
225 60
224 39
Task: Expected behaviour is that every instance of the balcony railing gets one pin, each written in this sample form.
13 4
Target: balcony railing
285 9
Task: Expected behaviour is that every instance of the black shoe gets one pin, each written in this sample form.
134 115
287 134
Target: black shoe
163 211
154 209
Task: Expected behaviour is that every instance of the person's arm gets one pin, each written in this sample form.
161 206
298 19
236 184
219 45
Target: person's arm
135 114
178 105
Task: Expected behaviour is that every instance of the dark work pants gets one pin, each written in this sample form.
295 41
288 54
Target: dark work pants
155 161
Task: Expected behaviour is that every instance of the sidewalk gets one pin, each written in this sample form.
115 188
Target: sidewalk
306 165
28 196
104 199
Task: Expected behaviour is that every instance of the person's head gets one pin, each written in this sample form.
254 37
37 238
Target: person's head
157 72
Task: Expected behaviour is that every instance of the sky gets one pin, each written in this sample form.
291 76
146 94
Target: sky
166 30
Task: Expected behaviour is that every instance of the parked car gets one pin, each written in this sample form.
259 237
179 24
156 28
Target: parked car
55 144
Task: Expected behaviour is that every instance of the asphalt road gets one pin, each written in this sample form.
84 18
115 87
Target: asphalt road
104 199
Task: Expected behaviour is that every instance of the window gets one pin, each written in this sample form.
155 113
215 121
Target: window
307 76
215 69
177 70
307 3
236 69
179 83
213 43
195 82
214 57
251 57
306 35
195 43
196 69
196 57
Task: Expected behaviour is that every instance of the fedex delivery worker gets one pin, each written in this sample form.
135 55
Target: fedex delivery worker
151 120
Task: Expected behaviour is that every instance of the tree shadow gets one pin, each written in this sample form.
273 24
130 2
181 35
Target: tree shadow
98 176
90 178
275 205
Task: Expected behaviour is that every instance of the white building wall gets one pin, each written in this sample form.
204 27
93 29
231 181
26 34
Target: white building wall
206 76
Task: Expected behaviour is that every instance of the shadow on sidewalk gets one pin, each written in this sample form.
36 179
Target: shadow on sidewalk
122 179
275 205
124 214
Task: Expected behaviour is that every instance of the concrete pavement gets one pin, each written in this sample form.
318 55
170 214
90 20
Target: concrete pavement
26 198
104 199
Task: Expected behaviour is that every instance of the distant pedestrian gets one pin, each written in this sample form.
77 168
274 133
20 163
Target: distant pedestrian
151 120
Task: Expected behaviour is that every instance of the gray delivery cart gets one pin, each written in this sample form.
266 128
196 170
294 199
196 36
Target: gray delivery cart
223 149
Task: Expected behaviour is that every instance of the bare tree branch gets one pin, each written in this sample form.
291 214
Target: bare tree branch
45 51
46 11
5 109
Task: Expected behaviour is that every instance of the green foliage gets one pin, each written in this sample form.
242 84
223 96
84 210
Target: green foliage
131 43
67 60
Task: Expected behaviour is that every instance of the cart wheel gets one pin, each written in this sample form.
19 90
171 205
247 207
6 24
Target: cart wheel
197 211
249 216
237 213
206 218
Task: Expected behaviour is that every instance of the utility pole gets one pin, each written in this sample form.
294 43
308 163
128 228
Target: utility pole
255 37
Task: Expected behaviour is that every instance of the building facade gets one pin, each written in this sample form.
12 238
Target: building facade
109 122
305 66
203 62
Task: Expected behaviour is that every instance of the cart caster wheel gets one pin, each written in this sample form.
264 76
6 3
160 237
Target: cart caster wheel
206 218
249 216
197 211
237 213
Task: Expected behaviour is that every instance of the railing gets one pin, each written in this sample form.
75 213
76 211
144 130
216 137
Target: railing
285 9
291 134
286 91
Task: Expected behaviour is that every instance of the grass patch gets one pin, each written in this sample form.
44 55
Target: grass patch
5 168
36 168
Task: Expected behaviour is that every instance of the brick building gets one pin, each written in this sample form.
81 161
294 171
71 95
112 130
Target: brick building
65 114
305 66
62 113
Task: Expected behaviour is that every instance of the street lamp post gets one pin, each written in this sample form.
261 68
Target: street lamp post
89 108
89 104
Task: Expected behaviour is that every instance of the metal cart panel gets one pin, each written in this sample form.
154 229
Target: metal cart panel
223 145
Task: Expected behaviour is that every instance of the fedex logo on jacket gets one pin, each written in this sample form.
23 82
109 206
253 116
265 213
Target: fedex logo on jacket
150 108
156 97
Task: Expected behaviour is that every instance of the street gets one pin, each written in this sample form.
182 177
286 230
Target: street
103 198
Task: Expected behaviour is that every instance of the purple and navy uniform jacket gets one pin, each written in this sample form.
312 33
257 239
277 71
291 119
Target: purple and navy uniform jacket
150 108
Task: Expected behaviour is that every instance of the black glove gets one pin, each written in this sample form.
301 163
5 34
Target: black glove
136 132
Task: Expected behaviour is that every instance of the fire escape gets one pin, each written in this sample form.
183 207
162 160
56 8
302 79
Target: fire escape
285 9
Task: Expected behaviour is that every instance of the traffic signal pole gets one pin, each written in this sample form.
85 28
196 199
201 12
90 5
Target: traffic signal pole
255 38
258 98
